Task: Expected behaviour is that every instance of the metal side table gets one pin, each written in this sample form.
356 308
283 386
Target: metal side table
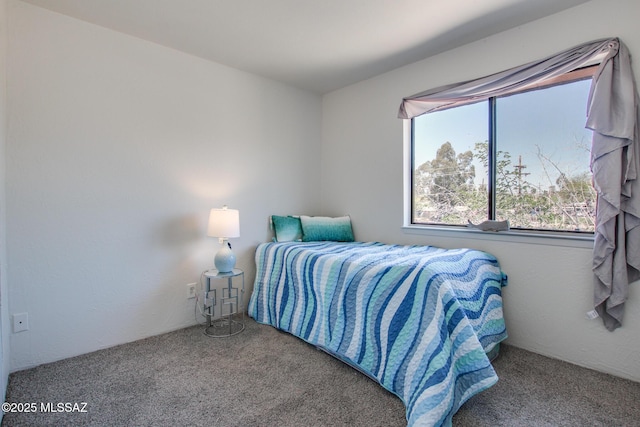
231 320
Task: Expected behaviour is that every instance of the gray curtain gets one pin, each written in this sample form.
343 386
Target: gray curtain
615 164
615 155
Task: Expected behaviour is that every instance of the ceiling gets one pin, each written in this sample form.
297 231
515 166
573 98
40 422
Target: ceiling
317 45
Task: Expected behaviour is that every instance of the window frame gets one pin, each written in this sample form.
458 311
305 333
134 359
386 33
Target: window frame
410 226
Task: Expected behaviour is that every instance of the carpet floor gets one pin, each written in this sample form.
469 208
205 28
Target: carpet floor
263 377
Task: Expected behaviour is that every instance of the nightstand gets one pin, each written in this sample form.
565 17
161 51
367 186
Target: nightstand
231 302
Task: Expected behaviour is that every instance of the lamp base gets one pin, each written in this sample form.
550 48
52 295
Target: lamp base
225 260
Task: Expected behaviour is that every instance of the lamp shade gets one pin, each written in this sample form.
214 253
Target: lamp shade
224 223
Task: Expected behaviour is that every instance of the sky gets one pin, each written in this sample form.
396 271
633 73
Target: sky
549 121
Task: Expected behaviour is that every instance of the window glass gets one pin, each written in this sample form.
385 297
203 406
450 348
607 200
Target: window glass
450 178
542 179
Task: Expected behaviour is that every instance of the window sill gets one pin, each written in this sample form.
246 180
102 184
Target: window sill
531 238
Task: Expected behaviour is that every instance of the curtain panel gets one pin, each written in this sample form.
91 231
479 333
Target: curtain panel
614 117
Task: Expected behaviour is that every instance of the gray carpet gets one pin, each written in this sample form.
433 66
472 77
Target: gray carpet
263 377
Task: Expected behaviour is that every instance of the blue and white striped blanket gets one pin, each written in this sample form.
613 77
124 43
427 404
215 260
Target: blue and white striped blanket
418 319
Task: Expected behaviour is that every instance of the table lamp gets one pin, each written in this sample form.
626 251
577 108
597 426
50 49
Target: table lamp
224 224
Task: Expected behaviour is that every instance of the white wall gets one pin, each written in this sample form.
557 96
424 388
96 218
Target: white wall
117 149
550 287
4 309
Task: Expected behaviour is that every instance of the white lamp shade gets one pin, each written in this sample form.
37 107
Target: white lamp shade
224 223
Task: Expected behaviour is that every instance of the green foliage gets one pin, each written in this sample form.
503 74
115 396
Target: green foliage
445 192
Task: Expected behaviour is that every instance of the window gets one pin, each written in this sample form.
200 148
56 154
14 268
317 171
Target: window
522 157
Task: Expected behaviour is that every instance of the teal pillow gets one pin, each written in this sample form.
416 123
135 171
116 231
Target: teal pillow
316 228
287 228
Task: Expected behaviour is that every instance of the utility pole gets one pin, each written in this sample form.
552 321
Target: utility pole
519 174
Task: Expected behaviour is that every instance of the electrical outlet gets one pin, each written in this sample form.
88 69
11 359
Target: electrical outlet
20 322
191 290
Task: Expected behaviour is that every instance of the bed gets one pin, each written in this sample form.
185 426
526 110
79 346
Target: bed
422 321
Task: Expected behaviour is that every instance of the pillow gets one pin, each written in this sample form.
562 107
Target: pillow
316 228
287 228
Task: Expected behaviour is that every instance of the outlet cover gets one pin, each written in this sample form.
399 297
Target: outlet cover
20 322
191 290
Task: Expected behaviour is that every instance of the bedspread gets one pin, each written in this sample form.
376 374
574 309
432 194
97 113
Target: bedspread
418 319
